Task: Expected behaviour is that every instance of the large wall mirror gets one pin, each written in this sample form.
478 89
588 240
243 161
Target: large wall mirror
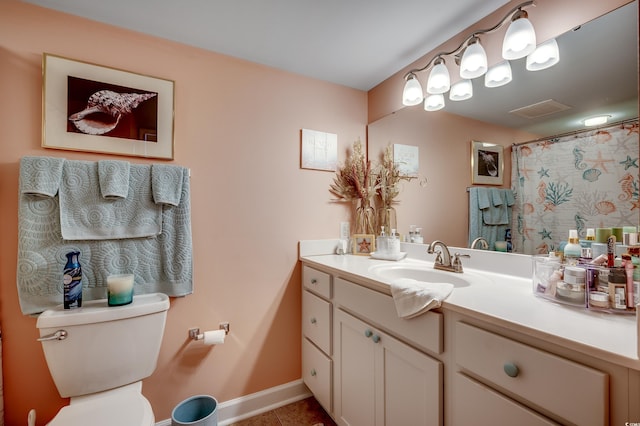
597 74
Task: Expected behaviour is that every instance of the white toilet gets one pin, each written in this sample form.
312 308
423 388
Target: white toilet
98 356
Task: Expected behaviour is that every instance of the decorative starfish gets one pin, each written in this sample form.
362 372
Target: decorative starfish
600 162
365 246
629 162
543 172
545 234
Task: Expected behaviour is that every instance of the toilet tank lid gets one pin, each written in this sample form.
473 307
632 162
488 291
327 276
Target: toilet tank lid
98 311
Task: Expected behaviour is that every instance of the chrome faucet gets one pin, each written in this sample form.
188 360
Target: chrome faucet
443 257
484 245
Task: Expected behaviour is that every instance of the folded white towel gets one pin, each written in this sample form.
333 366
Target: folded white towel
166 183
413 298
113 176
40 175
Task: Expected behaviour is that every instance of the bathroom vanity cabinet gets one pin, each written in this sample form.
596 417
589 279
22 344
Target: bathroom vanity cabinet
448 366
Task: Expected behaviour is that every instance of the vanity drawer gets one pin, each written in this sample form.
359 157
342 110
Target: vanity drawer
316 281
574 392
476 404
316 320
316 373
424 331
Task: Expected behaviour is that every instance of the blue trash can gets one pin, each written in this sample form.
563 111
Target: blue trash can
199 410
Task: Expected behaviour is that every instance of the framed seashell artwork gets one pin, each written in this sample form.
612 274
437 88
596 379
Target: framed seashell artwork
487 163
93 108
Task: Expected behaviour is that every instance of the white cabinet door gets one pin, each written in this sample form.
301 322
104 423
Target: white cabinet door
354 378
381 381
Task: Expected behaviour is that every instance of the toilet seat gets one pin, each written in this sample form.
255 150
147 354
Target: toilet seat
121 408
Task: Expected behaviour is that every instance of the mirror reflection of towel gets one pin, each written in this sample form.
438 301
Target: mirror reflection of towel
495 205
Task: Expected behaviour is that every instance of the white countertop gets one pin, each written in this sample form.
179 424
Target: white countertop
505 300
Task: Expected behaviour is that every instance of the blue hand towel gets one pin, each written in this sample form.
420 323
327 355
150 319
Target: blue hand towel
166 183
40 175
85 215
114 179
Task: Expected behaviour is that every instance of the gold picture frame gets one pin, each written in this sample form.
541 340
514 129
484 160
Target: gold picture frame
93 108
487 163
363 244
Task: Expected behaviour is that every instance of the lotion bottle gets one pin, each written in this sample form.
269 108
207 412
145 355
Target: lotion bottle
382 242
573 249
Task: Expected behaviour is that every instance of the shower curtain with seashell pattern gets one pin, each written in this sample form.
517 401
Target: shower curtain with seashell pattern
585 180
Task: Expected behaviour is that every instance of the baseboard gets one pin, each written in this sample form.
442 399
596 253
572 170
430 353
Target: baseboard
251 405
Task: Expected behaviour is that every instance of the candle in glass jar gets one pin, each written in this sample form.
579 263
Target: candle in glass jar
119 289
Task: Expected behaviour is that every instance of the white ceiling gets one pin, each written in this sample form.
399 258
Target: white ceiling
355 43
360 43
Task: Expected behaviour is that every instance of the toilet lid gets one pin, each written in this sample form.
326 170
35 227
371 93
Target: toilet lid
123 409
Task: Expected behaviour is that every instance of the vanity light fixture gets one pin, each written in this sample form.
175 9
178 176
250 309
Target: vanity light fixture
434 102
545 56
498 75
519 41
439 80
474 60
461 91
412 93
596 121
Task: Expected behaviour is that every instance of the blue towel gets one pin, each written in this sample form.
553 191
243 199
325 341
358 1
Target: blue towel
483 197
85 215
162 264
497 213
166 183
40 175
113 176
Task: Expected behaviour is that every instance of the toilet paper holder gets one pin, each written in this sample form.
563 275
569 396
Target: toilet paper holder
194 333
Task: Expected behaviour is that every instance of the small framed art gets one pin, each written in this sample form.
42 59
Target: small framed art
487 163
363 244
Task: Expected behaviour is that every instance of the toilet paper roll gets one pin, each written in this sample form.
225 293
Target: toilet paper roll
214 337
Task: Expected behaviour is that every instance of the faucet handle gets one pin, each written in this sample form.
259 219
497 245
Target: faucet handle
457 263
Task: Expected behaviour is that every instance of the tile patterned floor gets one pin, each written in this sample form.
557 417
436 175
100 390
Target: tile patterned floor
306 412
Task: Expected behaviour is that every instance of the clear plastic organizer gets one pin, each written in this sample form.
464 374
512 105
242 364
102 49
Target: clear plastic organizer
593 287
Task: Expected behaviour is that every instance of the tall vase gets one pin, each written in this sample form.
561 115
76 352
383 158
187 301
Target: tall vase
365 217
387 218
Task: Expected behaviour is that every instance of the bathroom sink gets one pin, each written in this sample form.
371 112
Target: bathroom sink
419 273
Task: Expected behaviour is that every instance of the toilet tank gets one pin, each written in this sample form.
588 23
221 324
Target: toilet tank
105 347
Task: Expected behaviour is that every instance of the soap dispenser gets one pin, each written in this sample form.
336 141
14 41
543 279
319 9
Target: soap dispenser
382 242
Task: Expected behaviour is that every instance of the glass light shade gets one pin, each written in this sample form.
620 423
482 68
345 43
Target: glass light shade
439 80
461 91
474 61
520 39
434 102
545 56
412 93
498 75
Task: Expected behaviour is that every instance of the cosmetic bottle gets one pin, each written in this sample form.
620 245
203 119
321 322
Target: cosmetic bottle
417 237
72 281
572 249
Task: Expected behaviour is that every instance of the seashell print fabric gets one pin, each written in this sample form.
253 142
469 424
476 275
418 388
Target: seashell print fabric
587 180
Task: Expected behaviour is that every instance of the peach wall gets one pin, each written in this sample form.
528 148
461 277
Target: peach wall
437 200
237 127
549 17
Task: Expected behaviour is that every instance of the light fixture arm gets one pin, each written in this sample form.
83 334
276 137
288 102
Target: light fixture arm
475 34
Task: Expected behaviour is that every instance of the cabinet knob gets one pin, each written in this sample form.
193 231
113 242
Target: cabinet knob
511 369
314 281
313 372
368 333
375 338
313 320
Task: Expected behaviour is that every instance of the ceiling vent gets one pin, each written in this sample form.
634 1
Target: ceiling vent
540 109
